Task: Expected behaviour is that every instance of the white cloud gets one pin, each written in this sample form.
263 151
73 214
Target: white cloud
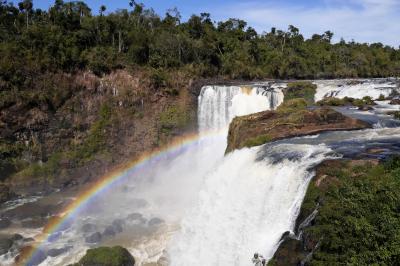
362 20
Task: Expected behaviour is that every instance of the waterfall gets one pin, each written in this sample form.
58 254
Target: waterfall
251 197
248 201
218 105
194 206
355 88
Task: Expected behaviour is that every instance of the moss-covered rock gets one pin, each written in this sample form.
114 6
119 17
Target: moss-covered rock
106 256
291 119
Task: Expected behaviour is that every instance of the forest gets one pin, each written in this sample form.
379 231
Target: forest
70 37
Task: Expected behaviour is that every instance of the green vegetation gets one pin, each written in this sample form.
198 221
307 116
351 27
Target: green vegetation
96 139
358 221
332 101
257 141
106 256
46 170
301 89
93 144
396 114
292 105
69 37
173 117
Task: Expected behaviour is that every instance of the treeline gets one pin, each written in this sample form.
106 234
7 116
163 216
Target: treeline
69 37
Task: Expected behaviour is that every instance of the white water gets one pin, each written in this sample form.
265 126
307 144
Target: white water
218 105
246 203
167 188
358 90
245 207
219 210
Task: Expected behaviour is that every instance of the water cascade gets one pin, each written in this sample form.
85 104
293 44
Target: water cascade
218 105
142 210
192 205
355 88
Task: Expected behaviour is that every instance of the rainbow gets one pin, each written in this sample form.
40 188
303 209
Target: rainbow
50 231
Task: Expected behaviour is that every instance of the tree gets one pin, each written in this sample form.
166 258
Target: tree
102 10
26 5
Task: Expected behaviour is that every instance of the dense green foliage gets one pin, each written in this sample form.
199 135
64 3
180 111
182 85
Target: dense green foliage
358 221
332 101
106 256
301 89
68 37
291 106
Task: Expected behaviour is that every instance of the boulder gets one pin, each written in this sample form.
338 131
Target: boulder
5 244
54 252
136 218
88 228
118 225
395 102
109 231
155 221
93 238
4 223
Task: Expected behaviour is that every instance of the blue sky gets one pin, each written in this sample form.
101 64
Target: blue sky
361 20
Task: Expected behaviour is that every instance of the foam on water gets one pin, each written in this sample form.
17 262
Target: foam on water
217 210
165 189
245 206
218 105
355 89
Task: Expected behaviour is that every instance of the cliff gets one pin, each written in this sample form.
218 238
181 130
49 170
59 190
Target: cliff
67 129
291 119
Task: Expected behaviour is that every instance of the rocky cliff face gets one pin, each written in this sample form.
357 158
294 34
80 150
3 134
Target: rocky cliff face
69 129
290 120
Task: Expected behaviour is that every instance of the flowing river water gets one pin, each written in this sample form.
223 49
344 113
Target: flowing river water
197 206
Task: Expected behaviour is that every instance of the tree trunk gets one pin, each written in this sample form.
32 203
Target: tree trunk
283 43
119 42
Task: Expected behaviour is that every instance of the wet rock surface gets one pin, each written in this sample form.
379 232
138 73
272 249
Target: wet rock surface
155 221
12 242
88 228
54 252
4 223
263 127
94 238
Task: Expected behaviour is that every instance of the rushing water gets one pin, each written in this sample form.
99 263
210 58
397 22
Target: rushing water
199 207
355 88
149 205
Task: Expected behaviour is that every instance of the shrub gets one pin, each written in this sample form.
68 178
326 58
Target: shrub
159 79
292 105
358 221
396 114
173 117
301 89
106 256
